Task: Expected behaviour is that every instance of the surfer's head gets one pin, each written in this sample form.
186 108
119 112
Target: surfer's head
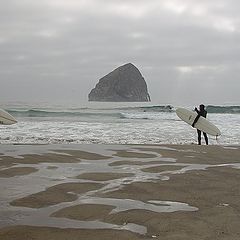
201 107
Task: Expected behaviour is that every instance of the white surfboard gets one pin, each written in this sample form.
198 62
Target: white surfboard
6 118
202 124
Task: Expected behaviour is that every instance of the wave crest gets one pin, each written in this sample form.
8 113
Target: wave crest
223 109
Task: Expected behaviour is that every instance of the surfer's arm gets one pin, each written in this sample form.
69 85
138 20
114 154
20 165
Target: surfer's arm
196 119
196 110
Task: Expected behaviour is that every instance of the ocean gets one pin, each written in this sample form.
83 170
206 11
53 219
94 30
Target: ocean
113 123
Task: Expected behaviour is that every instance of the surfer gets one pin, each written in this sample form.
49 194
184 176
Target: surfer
201 112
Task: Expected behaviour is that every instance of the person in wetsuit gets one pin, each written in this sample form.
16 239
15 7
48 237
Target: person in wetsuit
201 112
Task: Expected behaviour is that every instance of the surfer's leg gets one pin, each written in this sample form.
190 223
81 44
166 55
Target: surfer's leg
199 136
206 138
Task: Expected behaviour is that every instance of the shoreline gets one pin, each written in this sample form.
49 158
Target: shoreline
126 191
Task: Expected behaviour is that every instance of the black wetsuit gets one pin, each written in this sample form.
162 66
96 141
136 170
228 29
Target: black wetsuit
202 113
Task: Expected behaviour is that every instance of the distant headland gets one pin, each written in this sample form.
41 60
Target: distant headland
124 84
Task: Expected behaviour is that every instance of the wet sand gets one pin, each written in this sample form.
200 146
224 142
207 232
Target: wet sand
119 192
16 171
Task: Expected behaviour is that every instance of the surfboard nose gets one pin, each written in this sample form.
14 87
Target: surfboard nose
6 118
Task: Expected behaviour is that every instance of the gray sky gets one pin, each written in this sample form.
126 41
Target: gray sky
57 50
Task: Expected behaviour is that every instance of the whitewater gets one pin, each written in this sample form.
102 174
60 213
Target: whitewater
108 123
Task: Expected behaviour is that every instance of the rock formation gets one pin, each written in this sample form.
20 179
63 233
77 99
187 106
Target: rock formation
124 84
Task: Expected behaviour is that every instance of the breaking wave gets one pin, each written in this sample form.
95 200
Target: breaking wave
87 112
223 109
145 112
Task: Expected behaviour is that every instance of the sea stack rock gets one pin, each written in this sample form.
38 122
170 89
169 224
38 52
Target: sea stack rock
124 84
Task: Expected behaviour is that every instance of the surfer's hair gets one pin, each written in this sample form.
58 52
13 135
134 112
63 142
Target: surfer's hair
201 106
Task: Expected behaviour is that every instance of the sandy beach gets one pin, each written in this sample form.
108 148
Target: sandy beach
171 192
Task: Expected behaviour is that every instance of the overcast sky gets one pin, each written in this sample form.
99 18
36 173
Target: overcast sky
57 50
